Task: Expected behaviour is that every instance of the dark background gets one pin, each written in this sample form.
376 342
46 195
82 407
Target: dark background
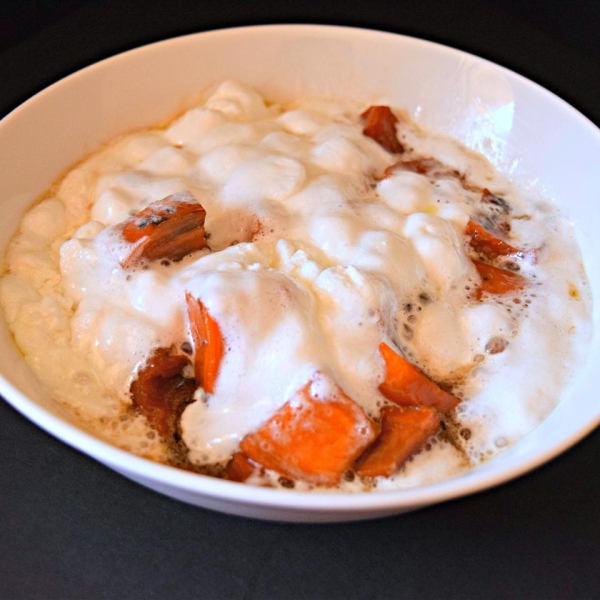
70 528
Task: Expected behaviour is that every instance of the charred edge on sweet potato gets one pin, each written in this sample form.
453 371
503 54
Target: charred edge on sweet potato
380 125
161 391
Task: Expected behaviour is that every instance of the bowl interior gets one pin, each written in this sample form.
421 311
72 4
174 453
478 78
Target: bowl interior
492 110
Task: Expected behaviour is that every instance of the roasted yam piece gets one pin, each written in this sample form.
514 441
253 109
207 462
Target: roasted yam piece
170 228
161 391
239 468
405 385
312 438
208 344
500 204
490 246
497 281
380 125
404 430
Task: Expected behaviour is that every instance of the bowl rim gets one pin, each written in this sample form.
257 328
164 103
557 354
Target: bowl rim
306 501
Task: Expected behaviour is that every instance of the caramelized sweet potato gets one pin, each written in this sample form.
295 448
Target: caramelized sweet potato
239 468
380 125
404 430
500 204
208 344
170 228
312 439
497 281
490 246
405 385
161 391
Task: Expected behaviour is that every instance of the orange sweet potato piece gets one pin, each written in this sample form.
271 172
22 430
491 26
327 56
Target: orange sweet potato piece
239 468
491 247
497 281
208 344
404 430
380 125
312 439
161 391
170 228
405 385
498 202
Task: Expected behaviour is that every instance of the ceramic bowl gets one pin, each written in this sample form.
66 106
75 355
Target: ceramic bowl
487 107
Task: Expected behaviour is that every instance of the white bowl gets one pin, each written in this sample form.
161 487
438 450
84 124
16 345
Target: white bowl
489 108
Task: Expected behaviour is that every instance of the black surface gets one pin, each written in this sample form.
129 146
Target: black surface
69 528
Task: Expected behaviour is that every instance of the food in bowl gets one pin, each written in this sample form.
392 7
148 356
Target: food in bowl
320 295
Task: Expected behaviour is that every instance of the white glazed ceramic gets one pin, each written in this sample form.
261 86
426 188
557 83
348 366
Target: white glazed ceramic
523 129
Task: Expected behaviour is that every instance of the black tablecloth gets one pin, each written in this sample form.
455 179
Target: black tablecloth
70 528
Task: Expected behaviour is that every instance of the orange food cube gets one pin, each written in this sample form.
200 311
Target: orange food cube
497 281
380 125
208 344
312 438
170 228
405 385
490 246
239 468
161 391
404 430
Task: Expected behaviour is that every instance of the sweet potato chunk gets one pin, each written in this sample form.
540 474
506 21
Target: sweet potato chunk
499 203
311 438
405 385
170 228
239 468
404 430
497 281
380 125
161 391
208 344
488 245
